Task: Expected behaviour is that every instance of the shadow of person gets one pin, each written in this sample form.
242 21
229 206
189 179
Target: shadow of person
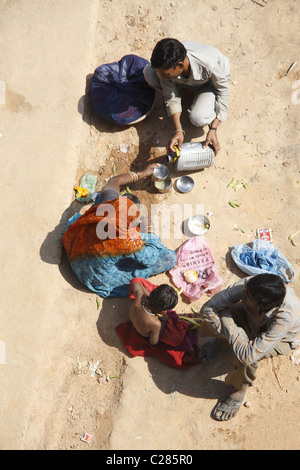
199 381
113 311
154 131
52 251
231 265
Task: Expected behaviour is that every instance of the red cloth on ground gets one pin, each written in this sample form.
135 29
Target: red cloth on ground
177 346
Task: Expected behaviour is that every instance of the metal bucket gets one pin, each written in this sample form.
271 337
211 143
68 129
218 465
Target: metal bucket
194 157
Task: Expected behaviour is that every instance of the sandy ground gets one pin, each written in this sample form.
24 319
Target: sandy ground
51 327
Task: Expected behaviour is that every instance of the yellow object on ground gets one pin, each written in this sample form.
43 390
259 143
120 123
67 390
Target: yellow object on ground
81 192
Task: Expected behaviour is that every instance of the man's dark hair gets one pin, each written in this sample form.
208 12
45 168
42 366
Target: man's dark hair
167 53
164 297
268 289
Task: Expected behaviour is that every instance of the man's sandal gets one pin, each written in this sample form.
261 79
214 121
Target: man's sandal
226 406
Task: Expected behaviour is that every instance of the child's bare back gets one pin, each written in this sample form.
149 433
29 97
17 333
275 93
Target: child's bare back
146 307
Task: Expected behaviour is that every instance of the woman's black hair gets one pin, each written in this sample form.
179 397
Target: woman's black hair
133 198
268 289
164 297
167 53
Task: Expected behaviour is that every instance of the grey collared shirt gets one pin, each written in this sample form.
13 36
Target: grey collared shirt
279 324
208 66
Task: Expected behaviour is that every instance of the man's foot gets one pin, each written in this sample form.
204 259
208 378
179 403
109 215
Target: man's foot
229 407
210 350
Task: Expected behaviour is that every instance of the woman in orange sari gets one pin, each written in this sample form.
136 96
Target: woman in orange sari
105 247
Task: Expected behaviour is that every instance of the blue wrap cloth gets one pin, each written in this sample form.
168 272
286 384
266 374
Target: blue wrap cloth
106 265
111 276
119 91
262 257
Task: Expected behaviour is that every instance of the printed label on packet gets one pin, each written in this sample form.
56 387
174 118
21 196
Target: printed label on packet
264 234
86 438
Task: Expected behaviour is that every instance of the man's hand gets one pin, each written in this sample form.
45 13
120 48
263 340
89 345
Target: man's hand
178 136
177 139
212 139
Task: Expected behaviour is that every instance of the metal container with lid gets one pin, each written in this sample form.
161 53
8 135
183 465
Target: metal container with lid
192 156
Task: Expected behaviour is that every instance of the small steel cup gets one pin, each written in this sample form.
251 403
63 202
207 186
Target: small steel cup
163 186
160 172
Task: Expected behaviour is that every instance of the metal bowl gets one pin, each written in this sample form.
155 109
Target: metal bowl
160 172
198 224
163 186
185 184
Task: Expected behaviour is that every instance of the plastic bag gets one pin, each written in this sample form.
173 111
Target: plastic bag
119 91
195 254
262 257
89 182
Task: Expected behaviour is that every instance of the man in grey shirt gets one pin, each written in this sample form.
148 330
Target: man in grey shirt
196 66
260 318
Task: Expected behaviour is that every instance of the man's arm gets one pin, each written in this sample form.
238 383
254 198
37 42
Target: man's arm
211 137
250 351
210 311
172 100
178 136
221 84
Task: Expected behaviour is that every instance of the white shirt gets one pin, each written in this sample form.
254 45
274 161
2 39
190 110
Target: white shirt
279 324
208 66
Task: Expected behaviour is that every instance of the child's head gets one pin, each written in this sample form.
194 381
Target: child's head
164 297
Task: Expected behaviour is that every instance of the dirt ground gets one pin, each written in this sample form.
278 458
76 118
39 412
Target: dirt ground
52 328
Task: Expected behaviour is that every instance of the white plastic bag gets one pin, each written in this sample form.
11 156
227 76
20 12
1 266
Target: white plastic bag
262 257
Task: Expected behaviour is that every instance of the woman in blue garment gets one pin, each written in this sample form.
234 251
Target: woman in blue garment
106 248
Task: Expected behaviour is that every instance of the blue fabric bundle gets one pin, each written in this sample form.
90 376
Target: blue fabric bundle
110 276
119 91
262 257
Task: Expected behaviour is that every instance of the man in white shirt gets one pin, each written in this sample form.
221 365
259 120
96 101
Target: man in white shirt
196 66
260 318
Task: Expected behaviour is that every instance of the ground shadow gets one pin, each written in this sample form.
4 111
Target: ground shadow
153 132
231 265
200 381
52 251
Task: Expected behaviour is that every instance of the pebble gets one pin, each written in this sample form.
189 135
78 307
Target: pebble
247 404
101 380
